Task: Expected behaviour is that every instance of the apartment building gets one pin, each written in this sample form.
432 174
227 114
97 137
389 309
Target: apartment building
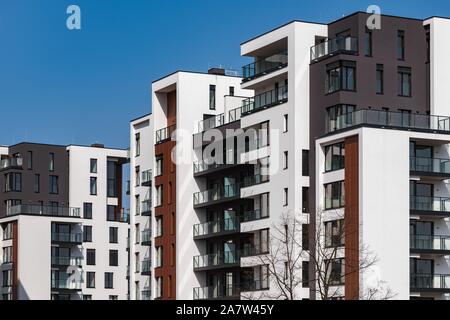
63 230
343 127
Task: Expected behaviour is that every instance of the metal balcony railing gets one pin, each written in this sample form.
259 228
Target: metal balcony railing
165 134
43 211
146 177
10 163
436 204
430 165
264 100
257 285
428 242
216 194
250 250
67 237
214 227
254 215
222 259
264 66
211 123
430 281
67 261
254 180
334 46
217 292
66 284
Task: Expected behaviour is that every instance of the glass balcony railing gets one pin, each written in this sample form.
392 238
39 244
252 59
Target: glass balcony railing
254 215
429 204
66 284
146 207
211 123
264 100
203 166
334 46
66 261
216 260
235 114
430 165
11 163
430 281
264 66
429 242
218 226
146 266
250 250
389 119
257 285
216 194
254 180
146 236
68 237
165 134
43 211
217 292
146 177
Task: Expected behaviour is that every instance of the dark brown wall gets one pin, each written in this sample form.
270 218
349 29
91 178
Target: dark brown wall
40 166
351 218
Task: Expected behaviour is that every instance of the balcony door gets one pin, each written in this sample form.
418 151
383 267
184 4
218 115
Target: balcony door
229 185
421 196
421 157
422 273
421 233
229 250
229 219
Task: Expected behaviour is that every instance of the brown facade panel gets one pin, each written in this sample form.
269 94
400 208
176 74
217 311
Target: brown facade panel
352 218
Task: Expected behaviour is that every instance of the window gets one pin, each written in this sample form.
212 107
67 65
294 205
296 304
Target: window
232 91
335 157
159 287
87 210
113 298
404 82
172 254
341 76
137 175
111 213
93 186
305 163
173 226
90 257
305 236
159 227
137 204
334 195
212 97
340 116
13 182
159 196
159 257
109 280
113 235
286 160
305 274
137 144
285 123
93 165
7 278
368 43
53 185
37 183
87 233
87 297
7 255
285 196
90 280
51 162
159 166
380 79
334 234
305 199
112 167
30 160
8 231
113 258
137 233
335 271
264 205
401 45
137 262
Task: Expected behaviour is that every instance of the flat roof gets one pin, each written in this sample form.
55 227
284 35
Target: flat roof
195 72
62 146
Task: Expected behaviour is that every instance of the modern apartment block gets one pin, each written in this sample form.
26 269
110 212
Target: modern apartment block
63 230
352 139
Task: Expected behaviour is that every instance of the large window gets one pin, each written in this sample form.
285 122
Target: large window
90 280
340 116
93 186
159 166
113 258
380 79
334 233
137 144
87 210
111 213
335 157
8 231
7 278
87 233
334 195
368 43
113 235
404 82
212 97
90 257
51 162
335 271
53 185
341 76
7 254
112 178
93 166
13 182
109 280
401 45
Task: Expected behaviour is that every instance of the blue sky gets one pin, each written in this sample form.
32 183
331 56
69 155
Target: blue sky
60 86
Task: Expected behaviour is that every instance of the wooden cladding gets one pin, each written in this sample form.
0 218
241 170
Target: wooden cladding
352 218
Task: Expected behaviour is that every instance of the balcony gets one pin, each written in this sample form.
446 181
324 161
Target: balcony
387 119
146 237
430 167
62 261
38 210
430 206
431 283
254 215
203 167
250 250
211 123
147 178
428 244
331 47
69 238
257 285
265 66
146 269
146 208
216 228
165 134
264 101
216 195
74 285
146 294
230 292
214 261
257 179
11 163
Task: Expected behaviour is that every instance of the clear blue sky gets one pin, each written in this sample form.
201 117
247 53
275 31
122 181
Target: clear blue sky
60 86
